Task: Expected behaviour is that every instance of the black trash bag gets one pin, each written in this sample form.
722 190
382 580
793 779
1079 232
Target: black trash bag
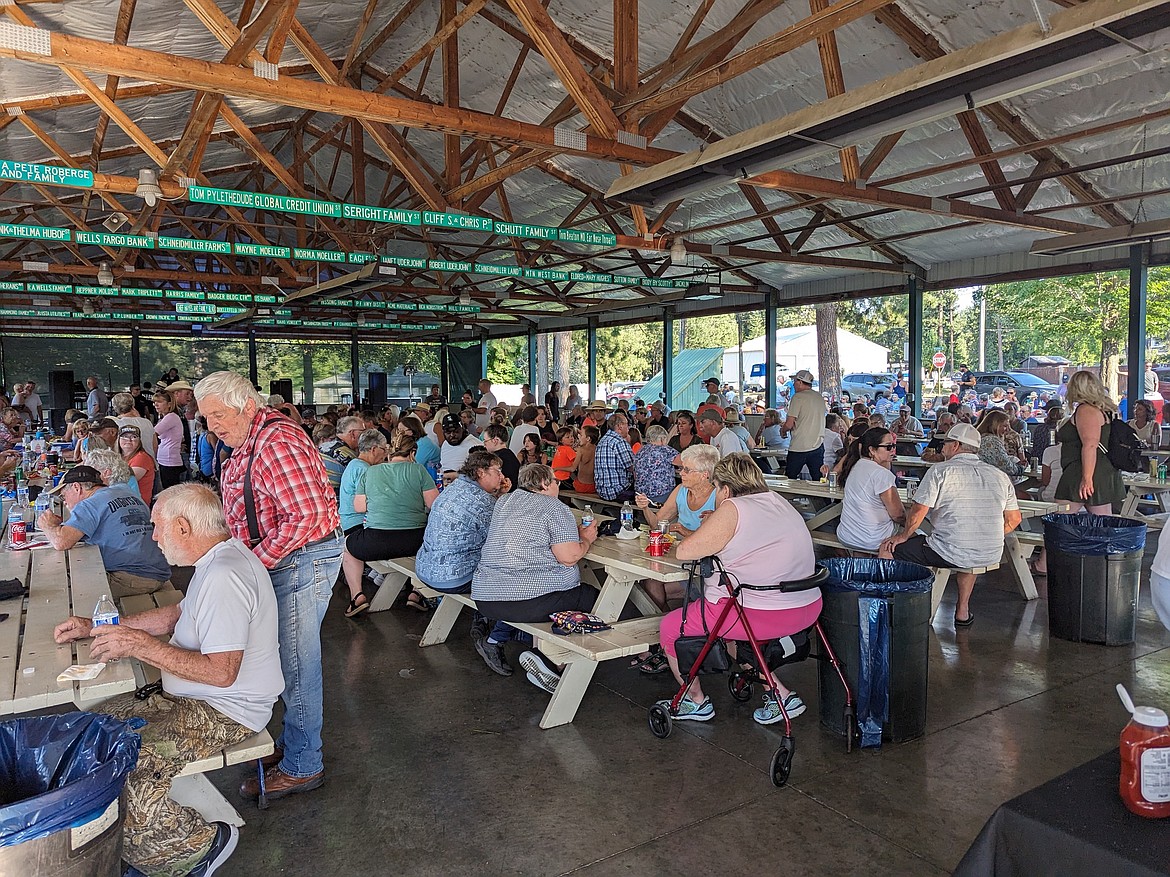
1093 535
57 772
875 576
877 579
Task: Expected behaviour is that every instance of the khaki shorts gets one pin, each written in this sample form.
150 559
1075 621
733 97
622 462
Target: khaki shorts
124 584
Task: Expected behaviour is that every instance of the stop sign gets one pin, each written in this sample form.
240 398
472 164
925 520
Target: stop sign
940 360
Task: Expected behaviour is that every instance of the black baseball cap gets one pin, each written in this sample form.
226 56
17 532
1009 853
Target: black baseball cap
452 421
79 475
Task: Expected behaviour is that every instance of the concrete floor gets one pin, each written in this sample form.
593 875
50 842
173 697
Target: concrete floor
436 766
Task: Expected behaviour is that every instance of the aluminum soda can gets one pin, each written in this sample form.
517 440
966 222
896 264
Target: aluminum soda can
17 532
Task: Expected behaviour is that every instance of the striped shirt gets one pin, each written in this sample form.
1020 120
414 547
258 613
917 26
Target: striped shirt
517 561
967 499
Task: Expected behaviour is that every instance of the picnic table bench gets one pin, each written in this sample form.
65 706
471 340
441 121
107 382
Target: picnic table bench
615 567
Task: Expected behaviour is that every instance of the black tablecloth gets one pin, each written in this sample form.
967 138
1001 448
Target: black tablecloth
1074 825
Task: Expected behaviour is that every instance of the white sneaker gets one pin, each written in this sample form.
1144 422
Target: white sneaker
539 673
377 577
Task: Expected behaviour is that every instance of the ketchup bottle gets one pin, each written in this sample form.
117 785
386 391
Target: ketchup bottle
1145 761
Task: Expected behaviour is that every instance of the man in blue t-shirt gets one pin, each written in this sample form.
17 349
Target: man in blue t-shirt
117 521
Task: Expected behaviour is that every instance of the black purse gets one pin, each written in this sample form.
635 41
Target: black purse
688 648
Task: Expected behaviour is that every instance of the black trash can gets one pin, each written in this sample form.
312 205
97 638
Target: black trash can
877 619
61 780
1094 569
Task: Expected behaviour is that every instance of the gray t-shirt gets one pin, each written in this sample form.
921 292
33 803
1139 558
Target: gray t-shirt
808 408
230 606
967 499
517 562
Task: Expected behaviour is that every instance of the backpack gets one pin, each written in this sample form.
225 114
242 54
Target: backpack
1125 448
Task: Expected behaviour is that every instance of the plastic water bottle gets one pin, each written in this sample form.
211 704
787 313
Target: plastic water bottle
587 517
17 532
43 504
105 612
627 516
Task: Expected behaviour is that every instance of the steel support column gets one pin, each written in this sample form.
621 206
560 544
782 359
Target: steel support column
668 356
591 345
914 292
253 366
1139 258
771 391
444 372
135 356
532 363
355 368
483 356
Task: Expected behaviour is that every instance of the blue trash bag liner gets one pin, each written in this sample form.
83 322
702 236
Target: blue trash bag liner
59 772
875 576
875 580
1093 535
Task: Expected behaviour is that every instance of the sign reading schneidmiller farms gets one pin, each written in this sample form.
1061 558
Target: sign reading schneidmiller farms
35 232
45 173
194 245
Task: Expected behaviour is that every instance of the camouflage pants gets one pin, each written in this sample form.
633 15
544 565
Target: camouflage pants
161 838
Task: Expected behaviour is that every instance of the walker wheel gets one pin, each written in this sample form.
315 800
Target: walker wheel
659 721
850 727
781 764
740 687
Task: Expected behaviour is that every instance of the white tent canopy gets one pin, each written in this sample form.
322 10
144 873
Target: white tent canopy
796 348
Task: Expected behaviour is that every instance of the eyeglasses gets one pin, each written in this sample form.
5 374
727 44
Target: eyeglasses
886 447
685 469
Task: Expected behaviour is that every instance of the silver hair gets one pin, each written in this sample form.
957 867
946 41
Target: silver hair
233 390
276 400
123 403
701 457
370 439
655 434
347 423
198 504
535 477
96 442
111 462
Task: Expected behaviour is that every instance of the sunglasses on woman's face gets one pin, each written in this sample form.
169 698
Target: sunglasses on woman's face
886 447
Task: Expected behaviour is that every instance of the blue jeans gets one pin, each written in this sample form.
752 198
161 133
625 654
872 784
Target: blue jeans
303 583
798 460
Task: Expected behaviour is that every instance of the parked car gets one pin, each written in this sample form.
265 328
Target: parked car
866 384
1022 382
625 391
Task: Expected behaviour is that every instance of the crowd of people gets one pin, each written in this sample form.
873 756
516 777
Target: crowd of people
273 504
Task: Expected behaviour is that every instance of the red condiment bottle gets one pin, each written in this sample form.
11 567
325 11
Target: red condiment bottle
1145 763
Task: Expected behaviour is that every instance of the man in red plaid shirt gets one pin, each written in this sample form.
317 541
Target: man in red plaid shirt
294 529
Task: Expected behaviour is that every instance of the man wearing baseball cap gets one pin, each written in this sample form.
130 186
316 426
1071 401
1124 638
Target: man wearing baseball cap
806 423
457 444
713 397
971 505
117 521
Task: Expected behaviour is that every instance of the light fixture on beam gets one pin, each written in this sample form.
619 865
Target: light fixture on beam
148 188
678 251
1087 37
105 276
1099 239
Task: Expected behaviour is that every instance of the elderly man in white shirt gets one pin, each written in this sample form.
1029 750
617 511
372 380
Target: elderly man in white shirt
971 506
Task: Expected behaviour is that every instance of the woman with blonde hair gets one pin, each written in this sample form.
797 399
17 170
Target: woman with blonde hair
1089 480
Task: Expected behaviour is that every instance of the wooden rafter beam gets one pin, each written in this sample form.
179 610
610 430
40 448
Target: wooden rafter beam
992 172
835 85
274 49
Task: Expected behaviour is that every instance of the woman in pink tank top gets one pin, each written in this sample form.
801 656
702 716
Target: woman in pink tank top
761 540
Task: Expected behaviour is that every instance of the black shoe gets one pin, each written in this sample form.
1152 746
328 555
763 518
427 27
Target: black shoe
493 656
480 628
226 838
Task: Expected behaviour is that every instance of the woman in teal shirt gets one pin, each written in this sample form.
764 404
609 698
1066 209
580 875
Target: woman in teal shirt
395 497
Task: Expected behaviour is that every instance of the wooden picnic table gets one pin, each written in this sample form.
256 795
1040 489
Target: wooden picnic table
1016 550
61 583
1138 486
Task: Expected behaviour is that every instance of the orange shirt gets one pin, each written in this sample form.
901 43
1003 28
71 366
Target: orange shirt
563 461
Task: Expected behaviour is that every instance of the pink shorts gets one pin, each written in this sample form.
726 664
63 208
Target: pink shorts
766 623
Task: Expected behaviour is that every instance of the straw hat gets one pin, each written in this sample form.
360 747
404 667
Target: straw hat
598 405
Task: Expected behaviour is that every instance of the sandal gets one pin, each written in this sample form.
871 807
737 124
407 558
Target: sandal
653 664
418 602
355 608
